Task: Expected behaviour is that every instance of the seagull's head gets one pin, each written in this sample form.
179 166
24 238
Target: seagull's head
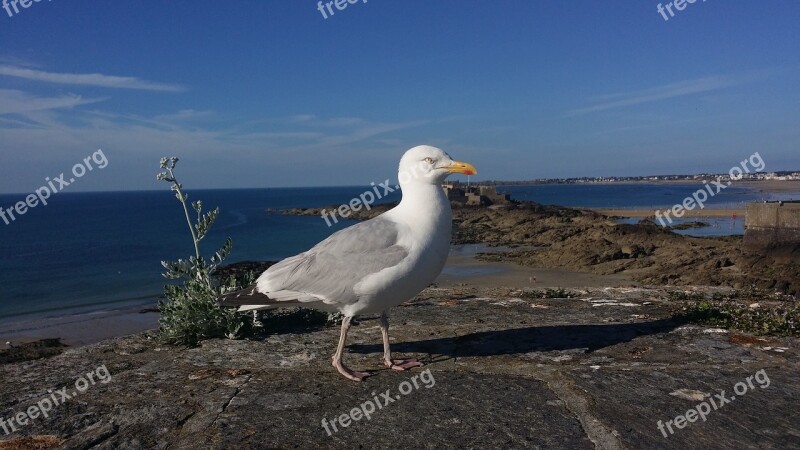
429 165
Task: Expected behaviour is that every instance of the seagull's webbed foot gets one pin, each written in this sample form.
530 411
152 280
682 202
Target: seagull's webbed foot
350 374
395 364
401 364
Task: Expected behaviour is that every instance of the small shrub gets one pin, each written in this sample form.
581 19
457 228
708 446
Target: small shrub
190 312
548 293
686 296
782 319
558 293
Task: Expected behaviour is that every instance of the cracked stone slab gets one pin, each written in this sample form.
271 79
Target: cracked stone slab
509 372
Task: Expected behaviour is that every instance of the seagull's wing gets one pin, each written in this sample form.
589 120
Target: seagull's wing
330 271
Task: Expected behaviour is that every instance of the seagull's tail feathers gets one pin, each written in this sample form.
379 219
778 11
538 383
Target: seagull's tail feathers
250 299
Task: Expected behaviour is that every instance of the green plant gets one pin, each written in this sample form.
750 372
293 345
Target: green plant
190 312
685 296
782 319
558 293
548 293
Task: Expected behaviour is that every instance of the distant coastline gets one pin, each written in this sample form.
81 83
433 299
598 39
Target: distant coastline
776 177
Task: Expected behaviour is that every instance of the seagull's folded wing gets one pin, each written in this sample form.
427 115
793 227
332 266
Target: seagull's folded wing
330 271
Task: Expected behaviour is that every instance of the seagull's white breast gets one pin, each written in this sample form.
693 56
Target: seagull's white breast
424 221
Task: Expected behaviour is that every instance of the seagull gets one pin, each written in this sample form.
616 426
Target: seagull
371 266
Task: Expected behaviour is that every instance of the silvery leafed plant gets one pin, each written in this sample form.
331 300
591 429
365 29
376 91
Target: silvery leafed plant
190 313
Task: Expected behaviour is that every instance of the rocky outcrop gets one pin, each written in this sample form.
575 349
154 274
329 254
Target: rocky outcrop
584 240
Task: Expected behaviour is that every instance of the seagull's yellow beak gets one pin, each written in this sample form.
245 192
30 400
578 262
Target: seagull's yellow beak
462 167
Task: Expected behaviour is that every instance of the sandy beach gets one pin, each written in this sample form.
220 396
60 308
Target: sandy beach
768 186
79 328
464 269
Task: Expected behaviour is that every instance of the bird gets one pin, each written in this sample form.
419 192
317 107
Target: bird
371 266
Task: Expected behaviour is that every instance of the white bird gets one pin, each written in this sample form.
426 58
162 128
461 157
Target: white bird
371 266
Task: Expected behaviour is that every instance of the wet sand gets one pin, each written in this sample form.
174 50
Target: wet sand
464 270
772 185
77 329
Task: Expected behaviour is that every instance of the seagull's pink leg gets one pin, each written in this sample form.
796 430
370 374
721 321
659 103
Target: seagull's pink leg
396 364
337 357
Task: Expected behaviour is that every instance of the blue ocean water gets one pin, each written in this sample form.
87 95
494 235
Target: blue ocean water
103 249
100 250
637 195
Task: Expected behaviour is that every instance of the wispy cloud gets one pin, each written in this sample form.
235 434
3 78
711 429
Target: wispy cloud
13 101
302 118
275 150
87 79
186 114
671 90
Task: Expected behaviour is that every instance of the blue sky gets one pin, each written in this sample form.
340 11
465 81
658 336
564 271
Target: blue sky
270 93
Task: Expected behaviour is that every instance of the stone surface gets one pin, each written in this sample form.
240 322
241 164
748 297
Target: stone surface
596 371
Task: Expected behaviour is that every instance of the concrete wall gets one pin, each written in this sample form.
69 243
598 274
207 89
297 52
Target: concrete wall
772 225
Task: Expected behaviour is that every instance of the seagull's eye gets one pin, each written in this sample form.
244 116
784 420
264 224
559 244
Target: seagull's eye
429 160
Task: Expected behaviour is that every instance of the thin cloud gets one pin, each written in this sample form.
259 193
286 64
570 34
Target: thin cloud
678 89
13 101
185 114
87 79
302 118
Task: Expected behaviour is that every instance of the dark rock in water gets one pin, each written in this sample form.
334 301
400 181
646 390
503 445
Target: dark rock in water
690 225
333 215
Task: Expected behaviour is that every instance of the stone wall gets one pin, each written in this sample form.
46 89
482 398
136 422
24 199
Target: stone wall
772 224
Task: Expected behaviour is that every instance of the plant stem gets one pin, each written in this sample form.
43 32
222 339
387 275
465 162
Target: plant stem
186 212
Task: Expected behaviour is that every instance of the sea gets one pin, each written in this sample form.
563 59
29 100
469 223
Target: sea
85 252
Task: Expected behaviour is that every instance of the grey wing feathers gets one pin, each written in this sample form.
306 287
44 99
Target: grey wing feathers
331 269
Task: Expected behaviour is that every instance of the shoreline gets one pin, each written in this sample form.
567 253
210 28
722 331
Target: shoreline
88 327
766 186
565 265
707 213
77 329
